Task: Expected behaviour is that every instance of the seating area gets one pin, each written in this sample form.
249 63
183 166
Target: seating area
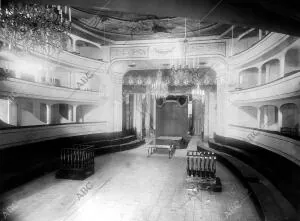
287 131
40 161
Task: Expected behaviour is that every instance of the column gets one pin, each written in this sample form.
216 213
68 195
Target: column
259 34
154 113
70 112
117 98
259 75
267 73
279 118
282 65
74 45
147 115
212 113
9 111
127 112
206 117
196 113
258 117
131 102
48 111
74 113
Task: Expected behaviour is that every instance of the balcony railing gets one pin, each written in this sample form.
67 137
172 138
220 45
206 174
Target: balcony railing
20 88
272 140
30 134
280 88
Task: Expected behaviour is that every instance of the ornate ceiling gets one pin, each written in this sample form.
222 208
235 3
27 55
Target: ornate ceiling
121 26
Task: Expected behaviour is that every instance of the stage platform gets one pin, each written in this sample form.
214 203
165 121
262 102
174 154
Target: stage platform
129 186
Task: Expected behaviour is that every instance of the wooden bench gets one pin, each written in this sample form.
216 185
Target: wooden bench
293 132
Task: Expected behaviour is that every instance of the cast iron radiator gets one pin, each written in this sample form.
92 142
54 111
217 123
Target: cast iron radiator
201 168
77 162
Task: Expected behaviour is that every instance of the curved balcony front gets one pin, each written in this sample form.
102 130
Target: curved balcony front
74 60
13 87
31 134
273 41
282 88
284 146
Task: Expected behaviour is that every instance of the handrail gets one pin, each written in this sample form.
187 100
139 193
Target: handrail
270 82
266 131
49 125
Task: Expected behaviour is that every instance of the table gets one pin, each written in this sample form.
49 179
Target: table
156 145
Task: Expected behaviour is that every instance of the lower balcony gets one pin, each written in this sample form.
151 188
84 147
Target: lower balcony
271 140
32 134
20 88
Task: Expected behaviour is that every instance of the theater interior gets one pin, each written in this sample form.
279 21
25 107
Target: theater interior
135 110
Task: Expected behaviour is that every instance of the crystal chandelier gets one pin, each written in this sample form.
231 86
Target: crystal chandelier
158 88
35 28
198 93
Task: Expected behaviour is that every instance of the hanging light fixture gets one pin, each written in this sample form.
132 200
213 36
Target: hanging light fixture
198 93
35 28
183 75
159 88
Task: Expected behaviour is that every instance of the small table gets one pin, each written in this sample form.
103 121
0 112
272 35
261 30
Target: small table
171 147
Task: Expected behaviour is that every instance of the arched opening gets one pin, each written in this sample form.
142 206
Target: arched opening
269 117
270 71
248 78
292 60
88 50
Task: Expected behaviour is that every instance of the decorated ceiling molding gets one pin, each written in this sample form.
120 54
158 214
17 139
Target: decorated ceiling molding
169 50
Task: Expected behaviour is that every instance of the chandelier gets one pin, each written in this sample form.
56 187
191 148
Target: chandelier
158 88
198 93
35 28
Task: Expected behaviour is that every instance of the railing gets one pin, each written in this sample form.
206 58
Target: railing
31 134
20 88
272 140
280 88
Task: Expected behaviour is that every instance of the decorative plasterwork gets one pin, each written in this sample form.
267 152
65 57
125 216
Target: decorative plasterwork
128 52
164 51
216 48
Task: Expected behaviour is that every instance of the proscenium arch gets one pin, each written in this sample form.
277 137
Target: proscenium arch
220 65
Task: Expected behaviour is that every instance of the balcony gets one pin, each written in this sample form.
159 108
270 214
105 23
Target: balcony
281 88
272 40
273 141
74 60
27 89
31 134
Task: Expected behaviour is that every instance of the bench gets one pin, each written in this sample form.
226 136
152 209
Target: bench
293 132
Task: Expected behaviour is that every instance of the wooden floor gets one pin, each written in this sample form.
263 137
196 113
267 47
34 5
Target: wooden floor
130 186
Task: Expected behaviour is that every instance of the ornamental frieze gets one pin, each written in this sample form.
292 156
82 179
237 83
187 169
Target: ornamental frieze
217 48
166 51
128 52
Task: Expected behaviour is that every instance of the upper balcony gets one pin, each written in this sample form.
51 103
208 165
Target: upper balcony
275 78
22 88
281 88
